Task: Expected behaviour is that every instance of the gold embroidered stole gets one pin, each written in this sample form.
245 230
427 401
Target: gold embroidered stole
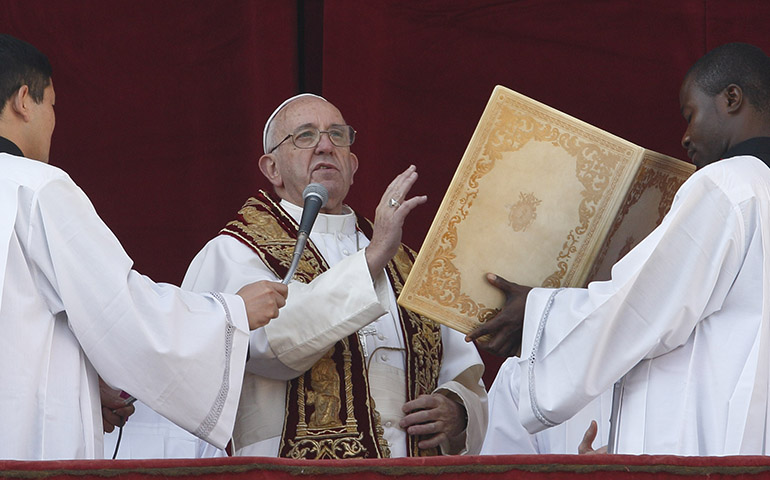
330 413
422 337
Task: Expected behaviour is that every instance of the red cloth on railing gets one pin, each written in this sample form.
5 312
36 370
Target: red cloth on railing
535 467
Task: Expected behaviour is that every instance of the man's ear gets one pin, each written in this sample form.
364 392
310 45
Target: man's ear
269 168
733 98
354 165
19 103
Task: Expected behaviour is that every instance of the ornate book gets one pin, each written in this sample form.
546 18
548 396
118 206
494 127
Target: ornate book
541 199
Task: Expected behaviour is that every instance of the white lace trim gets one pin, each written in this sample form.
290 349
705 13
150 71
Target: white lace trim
531 368
208 424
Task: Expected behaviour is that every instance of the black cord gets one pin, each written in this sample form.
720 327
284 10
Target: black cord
129 400
117 444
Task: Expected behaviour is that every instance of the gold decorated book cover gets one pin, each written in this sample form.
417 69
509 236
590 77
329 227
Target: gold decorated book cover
540 198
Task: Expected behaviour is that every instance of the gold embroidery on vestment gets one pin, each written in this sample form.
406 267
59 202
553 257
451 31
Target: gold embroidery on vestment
324 435
324 393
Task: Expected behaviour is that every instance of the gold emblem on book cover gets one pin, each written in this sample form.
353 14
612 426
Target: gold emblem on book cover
523 212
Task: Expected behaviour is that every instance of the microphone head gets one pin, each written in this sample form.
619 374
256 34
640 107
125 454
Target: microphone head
316 190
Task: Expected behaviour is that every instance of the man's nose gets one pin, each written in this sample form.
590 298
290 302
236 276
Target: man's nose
686 139
324 143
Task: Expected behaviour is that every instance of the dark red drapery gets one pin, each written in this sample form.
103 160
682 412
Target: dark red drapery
160 105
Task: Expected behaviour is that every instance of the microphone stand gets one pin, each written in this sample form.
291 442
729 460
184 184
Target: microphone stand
301 240
617 405
315 197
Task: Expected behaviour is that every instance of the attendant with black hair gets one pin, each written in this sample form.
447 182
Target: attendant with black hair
73 309
685 317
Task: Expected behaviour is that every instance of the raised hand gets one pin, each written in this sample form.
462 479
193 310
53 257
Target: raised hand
389 220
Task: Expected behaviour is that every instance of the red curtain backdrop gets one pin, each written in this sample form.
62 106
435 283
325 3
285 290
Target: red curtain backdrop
160 108
160 105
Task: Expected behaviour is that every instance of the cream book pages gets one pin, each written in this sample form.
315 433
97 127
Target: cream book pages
540 198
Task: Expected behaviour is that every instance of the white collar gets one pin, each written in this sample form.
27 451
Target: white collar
344 223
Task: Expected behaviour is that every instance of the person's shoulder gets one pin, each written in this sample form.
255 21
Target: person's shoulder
29 173
225 243
739 178
739 165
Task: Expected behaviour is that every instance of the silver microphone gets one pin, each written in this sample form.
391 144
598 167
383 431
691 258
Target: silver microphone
315 197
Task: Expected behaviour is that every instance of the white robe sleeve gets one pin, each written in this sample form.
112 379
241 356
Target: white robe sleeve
182 354
657 295
316 315
506 435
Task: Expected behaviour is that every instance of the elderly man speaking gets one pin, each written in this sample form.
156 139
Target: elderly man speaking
343 372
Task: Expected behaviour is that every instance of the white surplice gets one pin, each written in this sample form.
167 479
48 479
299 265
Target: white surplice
341 301
685 316
507 436
71 306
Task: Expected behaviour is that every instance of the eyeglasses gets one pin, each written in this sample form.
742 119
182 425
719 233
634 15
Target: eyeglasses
308 137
